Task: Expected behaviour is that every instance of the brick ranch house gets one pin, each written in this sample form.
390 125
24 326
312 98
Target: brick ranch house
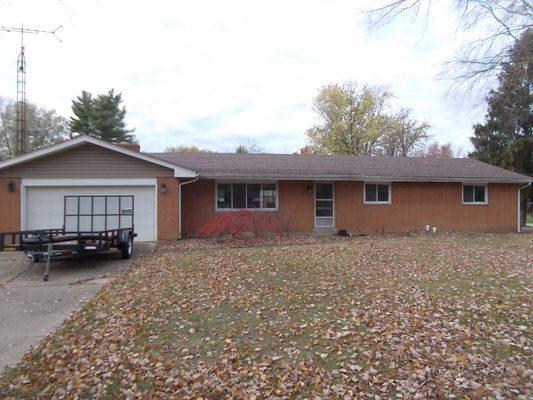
175 194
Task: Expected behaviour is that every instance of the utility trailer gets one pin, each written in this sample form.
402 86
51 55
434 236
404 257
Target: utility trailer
91 224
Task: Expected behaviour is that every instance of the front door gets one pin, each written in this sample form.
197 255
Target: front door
324 205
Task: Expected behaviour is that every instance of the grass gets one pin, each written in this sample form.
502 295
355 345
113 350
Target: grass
529 219
437 316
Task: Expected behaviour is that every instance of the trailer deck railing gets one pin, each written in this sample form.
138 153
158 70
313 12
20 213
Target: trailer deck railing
14 240
38 239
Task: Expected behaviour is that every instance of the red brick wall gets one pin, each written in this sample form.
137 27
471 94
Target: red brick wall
295 211
296 206
167 209
198 205
414 205
9 205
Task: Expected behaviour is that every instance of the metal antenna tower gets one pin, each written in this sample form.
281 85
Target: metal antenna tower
21 145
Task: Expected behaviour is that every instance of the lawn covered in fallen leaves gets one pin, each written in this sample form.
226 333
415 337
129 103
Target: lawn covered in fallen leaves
445 316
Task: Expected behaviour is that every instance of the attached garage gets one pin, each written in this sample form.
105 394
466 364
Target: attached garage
117 185
46 206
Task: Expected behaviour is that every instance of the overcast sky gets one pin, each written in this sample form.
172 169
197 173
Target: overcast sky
218 73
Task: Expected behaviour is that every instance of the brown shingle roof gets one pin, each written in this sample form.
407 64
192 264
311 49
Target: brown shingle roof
295 166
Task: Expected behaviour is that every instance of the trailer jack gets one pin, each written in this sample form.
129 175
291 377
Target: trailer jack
48 257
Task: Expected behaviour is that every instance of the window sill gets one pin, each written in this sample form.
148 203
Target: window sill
475 204
246 209
378 203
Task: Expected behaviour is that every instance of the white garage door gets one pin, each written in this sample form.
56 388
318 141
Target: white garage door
45 206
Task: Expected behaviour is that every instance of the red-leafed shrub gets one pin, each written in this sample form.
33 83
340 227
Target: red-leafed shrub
240 223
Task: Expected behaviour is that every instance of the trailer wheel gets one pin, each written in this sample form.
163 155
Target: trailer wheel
127 248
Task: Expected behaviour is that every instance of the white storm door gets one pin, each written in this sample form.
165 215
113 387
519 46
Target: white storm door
324 205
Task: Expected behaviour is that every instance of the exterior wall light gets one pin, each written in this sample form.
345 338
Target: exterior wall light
163 188
309 190
11 186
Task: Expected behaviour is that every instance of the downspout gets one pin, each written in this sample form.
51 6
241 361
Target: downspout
519 227
179 200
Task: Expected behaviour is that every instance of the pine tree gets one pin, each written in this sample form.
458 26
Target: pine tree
109 117
82 108
505 138
101 116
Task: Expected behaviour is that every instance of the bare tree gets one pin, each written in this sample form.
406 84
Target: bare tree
404 135
249 147
352 119
358 120
44 127
186 149
437 150
484 57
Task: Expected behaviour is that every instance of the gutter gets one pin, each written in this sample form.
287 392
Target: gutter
241 177
518 226
179 200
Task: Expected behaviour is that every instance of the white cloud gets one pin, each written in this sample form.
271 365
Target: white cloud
217 73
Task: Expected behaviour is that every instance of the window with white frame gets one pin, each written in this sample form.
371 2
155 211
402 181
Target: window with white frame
236 196
475 194
377 193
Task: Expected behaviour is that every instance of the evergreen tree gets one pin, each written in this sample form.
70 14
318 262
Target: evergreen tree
109 117
505 138
101 116
82 108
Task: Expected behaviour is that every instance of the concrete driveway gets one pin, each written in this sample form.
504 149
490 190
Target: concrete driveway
31 308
